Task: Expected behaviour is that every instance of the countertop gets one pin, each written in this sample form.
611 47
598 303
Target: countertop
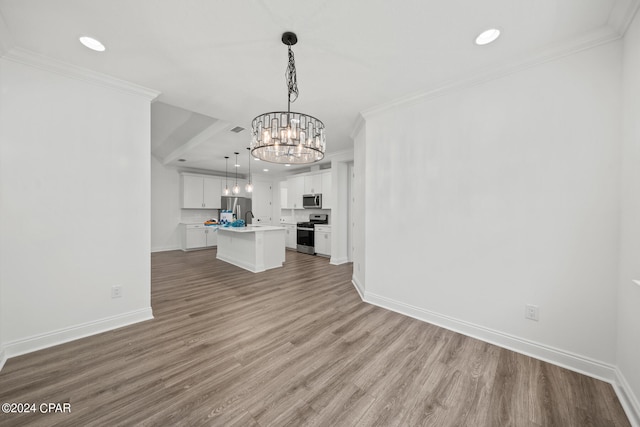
295 223
251 228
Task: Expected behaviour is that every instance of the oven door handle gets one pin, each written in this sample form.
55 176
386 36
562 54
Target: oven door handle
305 229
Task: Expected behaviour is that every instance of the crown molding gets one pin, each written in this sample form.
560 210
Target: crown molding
596 38
198 139
358 125
342 155
36 60
622 15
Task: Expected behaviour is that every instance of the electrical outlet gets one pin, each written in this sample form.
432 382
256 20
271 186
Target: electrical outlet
116 291
531 312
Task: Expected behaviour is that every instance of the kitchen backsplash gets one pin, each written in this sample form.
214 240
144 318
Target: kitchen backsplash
292 216
197 215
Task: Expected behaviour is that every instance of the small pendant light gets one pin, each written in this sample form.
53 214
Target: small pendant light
249 186
226 170
236 189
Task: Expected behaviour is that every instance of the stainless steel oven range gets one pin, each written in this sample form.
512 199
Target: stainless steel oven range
305 232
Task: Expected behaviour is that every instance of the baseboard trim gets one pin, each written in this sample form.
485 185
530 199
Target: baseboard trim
72 333
565 359
338 261
358 286
3 358
166 249
240 263
628 399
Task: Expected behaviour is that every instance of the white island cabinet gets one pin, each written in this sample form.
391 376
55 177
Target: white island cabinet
254 248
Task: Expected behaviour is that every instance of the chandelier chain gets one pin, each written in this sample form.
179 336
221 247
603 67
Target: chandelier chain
290 74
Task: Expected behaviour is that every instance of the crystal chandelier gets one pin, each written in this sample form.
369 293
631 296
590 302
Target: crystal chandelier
286 136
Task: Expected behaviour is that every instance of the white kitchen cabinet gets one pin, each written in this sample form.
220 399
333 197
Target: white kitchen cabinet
211 192
212 236
200 191
322 240
290 237
295 190
313 184
327 194
283 195
197 236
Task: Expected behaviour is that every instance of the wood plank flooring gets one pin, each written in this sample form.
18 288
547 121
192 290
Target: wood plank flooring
293 346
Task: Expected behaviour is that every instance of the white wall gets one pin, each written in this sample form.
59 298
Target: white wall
506 193
74 204
628 291
359 214
339 217
165 207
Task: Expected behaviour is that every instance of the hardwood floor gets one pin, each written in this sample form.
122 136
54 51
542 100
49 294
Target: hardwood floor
291 346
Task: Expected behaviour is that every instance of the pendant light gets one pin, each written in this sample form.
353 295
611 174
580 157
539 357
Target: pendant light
226 170
249 187
236 189
286 136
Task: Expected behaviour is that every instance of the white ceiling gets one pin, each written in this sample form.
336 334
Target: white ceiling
220 63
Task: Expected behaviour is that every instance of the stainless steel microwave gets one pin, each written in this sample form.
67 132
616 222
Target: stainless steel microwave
312 201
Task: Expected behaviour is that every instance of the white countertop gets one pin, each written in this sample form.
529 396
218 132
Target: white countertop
251 228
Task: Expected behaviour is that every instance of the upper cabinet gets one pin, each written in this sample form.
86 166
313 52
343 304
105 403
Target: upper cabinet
313 184
295 190
295 187
200 191
284 195
211 192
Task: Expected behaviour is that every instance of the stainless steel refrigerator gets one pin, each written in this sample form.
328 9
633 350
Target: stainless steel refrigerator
240 206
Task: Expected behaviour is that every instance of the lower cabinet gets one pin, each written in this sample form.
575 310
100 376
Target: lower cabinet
198 236
290 236
322 240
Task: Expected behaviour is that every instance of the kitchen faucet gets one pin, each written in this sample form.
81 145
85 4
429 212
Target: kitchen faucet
245 217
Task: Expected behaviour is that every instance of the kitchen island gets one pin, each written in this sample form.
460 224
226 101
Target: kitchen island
254 248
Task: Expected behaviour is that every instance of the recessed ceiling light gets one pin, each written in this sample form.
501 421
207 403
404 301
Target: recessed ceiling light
237 165
92 43
256 159
265 170
287 165
487 36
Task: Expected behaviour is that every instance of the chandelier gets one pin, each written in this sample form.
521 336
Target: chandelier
286 136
